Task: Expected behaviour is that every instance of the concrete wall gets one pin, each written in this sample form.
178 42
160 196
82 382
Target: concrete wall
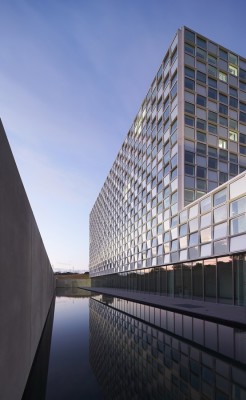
26 279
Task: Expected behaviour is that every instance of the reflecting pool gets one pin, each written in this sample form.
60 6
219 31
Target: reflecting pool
104 347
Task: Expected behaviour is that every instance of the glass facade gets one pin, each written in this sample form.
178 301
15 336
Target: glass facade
187 140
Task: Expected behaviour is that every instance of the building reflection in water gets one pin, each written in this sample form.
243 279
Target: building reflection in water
141 352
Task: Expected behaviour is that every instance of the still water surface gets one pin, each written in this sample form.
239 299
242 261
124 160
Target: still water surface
104 347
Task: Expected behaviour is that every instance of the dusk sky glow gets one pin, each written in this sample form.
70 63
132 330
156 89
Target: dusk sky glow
73 75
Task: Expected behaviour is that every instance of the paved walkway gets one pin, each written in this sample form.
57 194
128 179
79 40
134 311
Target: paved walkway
217 312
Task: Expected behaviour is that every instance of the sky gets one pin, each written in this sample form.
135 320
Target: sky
73 74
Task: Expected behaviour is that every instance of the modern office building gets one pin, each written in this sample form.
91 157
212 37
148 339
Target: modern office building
170 217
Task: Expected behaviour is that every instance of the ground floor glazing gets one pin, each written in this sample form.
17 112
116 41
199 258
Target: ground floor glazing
218 279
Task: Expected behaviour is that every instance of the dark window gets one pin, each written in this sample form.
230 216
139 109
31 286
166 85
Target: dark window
242 117
201 172
223 121
190 108
212 151
189 72
242 106
189 157
233 169
212 93
212 83
242 85
223 98
189 169
242 74
212 129
242 138
233 158
201 100
233 91
201 148
201 43
189 36
212 163
174 91
201 77
189 84
223 109
189 121
223 155
201 137
223 177
189 49
223 55
212 116
233 102
201 124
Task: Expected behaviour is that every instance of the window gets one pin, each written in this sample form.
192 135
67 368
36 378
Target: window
201 137
189 72
189 36
233 102
190 108
189 157
212 60
223 54
201 124
212 129
233 70
212 83
238 207
242 138
242 74
212 93
189 84
223 98
201 77
233 136
201 54
233 124
220 197
201 43
189 121
193 239
238 225
222 76
201 100
212 163
201 172
223 121
223 109
189 49
201 148
242 117
212 116
242 106
212 71
189 170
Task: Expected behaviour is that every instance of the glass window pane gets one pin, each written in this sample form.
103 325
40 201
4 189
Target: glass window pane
206 220
224 273
206 235
238 206
220 231
210 279
238 225
220 197
206 204
220 214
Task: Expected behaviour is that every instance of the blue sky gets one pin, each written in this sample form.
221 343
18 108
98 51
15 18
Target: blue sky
72 77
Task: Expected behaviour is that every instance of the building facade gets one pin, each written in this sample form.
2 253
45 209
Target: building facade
170 217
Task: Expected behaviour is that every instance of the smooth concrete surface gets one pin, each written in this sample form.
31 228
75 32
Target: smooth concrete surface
27 280
217 312
66 283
